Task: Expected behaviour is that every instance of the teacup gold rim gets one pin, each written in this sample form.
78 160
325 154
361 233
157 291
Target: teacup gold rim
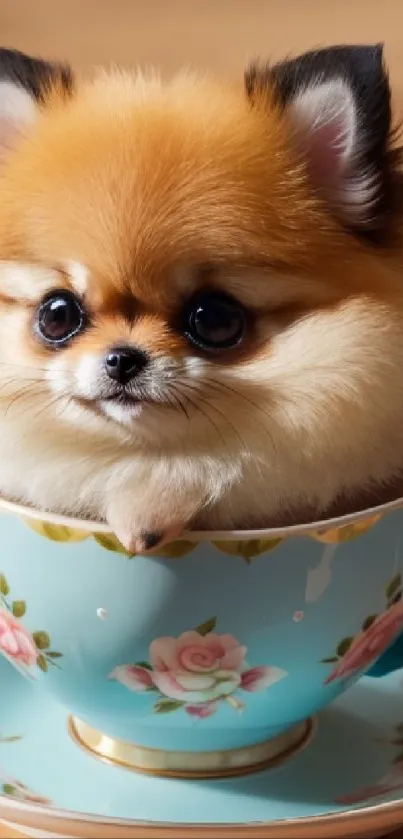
296 740
28 815
90 526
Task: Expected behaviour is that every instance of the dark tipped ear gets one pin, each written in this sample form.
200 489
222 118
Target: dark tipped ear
339 102
25 83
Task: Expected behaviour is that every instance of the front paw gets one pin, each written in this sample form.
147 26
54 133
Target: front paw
139 537
149 541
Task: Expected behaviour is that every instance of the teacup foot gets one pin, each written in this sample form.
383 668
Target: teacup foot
193 765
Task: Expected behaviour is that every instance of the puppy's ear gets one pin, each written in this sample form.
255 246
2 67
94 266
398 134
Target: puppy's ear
338 100
25 83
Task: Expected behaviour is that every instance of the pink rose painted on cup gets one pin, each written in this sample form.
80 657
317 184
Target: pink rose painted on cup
369 644
16 643
28 651
196 671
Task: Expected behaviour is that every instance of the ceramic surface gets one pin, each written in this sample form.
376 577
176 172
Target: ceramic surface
348 781
222 642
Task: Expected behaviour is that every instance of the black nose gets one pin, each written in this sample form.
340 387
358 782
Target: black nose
124 363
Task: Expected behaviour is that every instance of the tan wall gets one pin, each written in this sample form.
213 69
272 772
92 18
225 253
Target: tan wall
218 34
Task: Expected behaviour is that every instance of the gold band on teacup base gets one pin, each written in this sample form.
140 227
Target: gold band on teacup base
192 765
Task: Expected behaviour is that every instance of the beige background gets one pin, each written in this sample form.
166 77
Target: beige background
217 34
220 35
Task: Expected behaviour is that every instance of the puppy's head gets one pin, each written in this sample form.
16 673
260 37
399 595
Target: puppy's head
194 258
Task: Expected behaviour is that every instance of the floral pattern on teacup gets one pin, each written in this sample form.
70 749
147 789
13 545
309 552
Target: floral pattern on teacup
246 549
196 672
357 653
26 650
14 738
249 548
346 532
15 789
16 643
12 788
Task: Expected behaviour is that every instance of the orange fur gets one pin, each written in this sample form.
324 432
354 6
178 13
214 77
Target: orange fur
159 190
166 176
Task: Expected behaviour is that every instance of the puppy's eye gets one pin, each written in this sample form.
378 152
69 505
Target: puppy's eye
59 317
214 321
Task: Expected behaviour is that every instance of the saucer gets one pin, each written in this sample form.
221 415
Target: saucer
347 782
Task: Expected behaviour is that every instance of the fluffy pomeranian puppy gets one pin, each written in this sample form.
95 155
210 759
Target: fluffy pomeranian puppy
201 294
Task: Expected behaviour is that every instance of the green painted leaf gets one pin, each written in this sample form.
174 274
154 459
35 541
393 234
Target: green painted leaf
145 664
396 599
344 646
54 654
19 607
207 626
175 550
166 706
4 586
368 622
42 663
248 549
255 547
111 543
349 532
14 739
393 586
56 532
9 789
331 660
52 662
42 640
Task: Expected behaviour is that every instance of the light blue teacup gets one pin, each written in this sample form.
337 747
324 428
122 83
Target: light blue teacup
211 658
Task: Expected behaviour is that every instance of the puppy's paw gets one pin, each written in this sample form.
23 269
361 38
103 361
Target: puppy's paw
145 518
141 536
149 541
